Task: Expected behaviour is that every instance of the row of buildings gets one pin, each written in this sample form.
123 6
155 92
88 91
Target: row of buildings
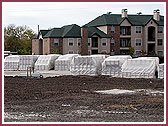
106 34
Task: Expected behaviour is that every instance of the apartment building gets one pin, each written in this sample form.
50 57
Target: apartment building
106 34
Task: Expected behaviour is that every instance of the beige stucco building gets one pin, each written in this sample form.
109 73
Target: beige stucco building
106 34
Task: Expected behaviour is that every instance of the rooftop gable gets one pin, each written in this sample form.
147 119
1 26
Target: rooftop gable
65 31
93 30
116 19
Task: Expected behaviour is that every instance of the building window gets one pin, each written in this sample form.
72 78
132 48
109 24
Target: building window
123 43
112 42
112 30
112 52
79 42
56 42
104 41
160 53
89 41
89 52
138 42
70 52
138 29
70 41
160 29
160 42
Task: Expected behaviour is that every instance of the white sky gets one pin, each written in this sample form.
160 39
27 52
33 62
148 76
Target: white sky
58 14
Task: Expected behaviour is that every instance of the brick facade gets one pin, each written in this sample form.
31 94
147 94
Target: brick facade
116 37
54 48
35 46
84 41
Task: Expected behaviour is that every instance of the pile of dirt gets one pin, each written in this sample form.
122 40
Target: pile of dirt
73 99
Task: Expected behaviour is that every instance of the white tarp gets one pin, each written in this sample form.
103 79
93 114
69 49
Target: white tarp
63 62
161 71
155 58
11 62
87 65
139 68
27 61
46 62
112 65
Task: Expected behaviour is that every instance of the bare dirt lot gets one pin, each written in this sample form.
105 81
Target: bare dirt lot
74 99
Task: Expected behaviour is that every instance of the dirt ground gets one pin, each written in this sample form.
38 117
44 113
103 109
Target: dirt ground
73 99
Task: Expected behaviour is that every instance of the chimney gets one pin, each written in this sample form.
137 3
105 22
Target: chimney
84 40
124 13
156 15
38 29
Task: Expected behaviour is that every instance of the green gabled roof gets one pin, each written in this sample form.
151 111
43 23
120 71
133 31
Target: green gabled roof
65 31
161 22
71 31
34 37
140 20
44 32
93 30
116 19
54 33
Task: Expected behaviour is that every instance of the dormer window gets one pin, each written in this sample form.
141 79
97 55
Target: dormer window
112 30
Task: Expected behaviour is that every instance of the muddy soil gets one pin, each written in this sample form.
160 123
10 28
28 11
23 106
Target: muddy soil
73 99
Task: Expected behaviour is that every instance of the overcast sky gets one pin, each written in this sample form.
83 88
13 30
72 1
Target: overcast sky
57 14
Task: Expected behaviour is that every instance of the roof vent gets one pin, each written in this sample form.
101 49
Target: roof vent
109 12
124 13
139 13
156 15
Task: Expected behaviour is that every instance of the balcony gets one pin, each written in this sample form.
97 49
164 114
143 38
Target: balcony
125 42
95 42
151 33
125 31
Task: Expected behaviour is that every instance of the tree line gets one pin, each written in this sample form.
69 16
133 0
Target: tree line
18 39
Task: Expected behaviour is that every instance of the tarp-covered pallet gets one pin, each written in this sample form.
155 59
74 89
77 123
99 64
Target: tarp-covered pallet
64 61
11 63
144 67
87 65
161 71
112 65
27 61
46 62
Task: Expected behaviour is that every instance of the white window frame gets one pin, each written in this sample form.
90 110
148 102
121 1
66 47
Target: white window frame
162 29
69 40
162 42
89 52
123 43
89 40
136 29
136 41
57 42
71 51
104 40
113 40
160 51
78 40
112 29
